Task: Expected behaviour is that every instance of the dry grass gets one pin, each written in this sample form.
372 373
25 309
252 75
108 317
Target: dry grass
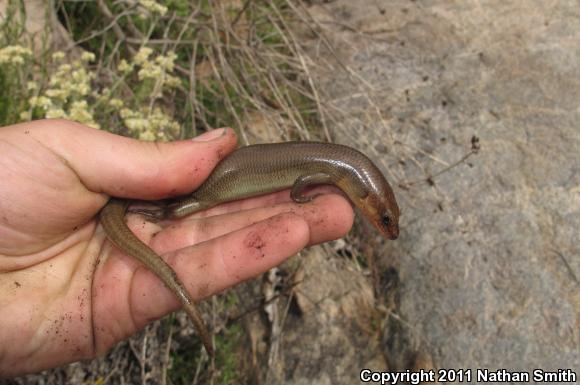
238 63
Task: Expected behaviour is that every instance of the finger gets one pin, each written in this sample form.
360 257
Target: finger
328 216
131 168
215 265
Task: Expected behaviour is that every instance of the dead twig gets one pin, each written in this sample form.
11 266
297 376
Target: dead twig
430 178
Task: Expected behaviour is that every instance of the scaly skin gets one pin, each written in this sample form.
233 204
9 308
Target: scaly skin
256 170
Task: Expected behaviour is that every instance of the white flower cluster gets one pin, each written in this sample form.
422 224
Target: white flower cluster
149 125
14 54
153 7
67 93
158 69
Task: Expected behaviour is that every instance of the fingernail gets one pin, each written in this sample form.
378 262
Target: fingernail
210 135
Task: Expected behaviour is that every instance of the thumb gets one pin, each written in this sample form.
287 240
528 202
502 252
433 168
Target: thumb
129 168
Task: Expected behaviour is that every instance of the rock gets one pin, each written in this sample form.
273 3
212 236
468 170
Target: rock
489 255
330 334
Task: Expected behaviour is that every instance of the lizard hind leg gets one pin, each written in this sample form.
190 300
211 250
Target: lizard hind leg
163 210
185 207
155 212
304 181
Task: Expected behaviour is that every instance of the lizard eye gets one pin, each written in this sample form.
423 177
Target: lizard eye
386 221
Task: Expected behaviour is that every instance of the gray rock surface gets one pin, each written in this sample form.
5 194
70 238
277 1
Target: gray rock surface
489 255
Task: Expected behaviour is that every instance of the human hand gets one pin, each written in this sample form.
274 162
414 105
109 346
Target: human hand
66 294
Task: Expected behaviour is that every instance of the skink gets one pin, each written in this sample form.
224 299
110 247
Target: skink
256 170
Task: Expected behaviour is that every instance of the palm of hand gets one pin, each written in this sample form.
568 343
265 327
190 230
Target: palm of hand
66 294
46 235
